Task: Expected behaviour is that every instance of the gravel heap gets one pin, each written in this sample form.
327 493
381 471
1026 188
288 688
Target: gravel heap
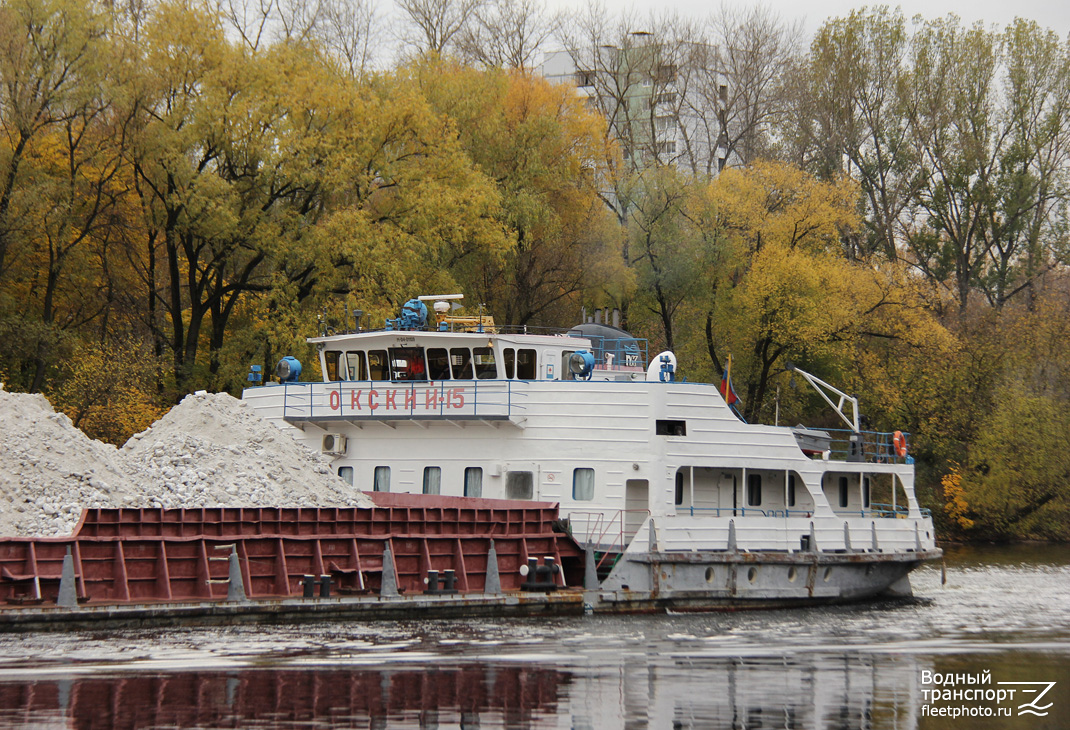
210 450
50 470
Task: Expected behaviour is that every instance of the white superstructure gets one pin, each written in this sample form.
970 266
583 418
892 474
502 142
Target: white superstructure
640 463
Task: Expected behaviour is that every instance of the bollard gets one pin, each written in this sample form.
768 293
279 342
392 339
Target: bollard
308 582
432 581
325 586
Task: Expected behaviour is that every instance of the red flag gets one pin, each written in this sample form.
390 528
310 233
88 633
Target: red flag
730 396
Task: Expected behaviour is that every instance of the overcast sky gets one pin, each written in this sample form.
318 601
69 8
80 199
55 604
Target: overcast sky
1054 14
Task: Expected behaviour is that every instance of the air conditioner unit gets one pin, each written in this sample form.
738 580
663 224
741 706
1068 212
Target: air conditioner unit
333 444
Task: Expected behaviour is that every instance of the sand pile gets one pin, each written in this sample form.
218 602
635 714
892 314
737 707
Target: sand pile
210 450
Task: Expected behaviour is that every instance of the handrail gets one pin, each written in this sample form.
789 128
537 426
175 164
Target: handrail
877 446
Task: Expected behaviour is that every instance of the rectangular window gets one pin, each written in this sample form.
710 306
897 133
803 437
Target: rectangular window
843 491
331 359
679 488
486 366
566 374
438 364
754 490
473 481
865 492
461 363
519 485
381 482
670 428
791 490
432 480
509 356
407 363
346 472
583 484
356 366
525 364
377 365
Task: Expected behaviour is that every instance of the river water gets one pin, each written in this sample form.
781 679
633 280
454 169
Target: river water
1004 614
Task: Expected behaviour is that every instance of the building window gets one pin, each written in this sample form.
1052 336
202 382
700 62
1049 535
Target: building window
381 482
519 485
754 490
346 472
432 480
583 484
843 491
473 481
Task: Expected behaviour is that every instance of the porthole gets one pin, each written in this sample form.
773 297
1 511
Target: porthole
709 575
752 575
792 574
828 574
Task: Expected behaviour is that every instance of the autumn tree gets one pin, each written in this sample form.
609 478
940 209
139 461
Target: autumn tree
541 147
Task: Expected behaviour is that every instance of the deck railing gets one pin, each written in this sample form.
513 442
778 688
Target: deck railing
874 510
874 446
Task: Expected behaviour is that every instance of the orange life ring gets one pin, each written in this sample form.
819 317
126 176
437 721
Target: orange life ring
899 441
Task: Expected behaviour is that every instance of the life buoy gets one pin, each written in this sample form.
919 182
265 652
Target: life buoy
899 441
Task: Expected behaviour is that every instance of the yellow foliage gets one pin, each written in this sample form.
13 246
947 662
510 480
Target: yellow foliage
955 498
776 203
109 392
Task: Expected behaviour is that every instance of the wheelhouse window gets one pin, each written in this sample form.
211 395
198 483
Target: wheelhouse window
407 363
432 480
356 366
473 481
519 485
583 484
331 358
525 365
754 490
486 366
461 363
377 365
381 482
438 363
509 358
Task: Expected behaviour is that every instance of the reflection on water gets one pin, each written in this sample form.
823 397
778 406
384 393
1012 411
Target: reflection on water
1004 610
